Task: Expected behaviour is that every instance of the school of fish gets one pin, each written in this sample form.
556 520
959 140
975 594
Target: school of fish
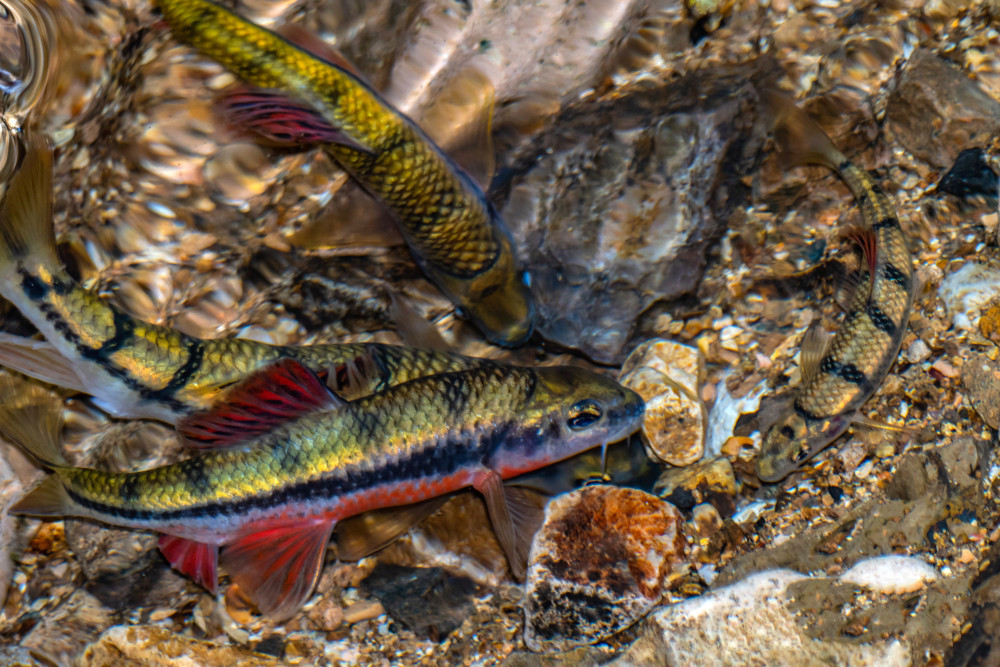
286 441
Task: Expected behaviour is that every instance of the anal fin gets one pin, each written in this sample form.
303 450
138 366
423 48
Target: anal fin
364 534
278 564
194 559
814 345
47 499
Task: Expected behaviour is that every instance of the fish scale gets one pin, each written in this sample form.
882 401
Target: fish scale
453 231
865 346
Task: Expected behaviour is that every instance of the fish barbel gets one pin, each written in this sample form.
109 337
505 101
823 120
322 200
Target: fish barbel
838 377
139 369
285 459
453 231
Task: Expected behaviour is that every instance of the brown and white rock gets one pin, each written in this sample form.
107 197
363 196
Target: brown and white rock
668 375
599 564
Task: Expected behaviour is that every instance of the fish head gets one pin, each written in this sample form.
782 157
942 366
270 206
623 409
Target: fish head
498 299
570 411
793 440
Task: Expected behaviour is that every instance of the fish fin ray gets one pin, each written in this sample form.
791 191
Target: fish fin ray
40 360
31 418
490 484
364 534
275 395
867 240
798 138
411 325
281 120
26 229
47 499
278 564
197 560
814 345
361 376
527 511
313 44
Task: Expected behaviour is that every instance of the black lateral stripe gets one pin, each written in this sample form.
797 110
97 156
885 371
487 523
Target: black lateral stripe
195 352
435 461
846 371
32 287
886 222
124 332
895 276
881 321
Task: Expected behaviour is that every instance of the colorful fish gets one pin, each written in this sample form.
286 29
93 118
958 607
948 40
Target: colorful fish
139 369
839 375
453 231
285 459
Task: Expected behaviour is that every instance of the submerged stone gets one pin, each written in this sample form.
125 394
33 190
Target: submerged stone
712 481
599 564
668 375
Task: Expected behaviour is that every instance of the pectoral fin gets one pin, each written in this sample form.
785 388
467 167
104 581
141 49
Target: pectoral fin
515 518
364 534
194 559
40 360
282 121
277 565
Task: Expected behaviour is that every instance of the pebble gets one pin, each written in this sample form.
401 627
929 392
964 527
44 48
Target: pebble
891 575
157 646
967 291
668 376
712 481
363 610
981 378
726 411
917 351
748 623
599 564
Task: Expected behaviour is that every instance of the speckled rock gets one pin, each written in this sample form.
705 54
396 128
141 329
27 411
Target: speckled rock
981 378
968 291
892 574
748 623
936 111
156 646
614 208
599 563
668 376
63 632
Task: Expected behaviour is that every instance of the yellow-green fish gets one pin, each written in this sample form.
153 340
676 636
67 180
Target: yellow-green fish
285 459
838 377
453 231
139 369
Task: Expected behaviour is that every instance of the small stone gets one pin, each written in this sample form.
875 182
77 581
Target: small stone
917 351
706 519
968 292
981 379
599 564
735 444
891 575
712 481
363 610
668 376
864 469
326 615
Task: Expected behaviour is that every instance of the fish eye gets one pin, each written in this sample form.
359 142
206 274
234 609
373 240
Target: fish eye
583 414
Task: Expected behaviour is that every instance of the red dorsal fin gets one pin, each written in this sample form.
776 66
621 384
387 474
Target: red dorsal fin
280 393
277 564
194 559
280 120
865 237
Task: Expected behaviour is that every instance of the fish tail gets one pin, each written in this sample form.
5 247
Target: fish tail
797 137
26 232
31 418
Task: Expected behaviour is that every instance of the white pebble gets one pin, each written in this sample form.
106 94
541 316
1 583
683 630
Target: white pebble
891 574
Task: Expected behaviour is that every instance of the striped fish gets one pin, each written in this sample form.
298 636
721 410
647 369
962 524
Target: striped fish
452 229
839 376
284 459
139 369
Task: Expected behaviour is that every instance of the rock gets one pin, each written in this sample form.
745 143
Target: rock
63 632
726 411
970 176
891 574
968 291
981 378
614 208
668 376
155 646
427 600
937 111
599 563
711 481
749 622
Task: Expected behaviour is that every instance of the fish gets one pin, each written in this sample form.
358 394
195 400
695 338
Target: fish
841 373
283 459
138 369
454 232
